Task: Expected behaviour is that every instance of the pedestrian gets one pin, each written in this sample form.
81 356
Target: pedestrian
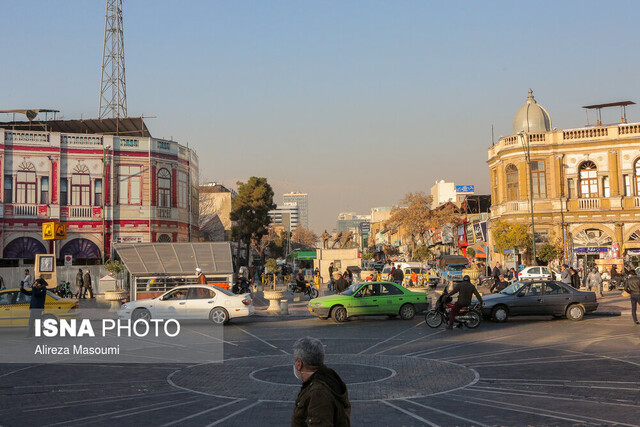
414 278
575 278
632 287
27 280
390 275
397 276
496 272
499 285
323 399
78 293
594 279
2 286
38 295
86 285
201 279
565 275
512 274
331 278
341 284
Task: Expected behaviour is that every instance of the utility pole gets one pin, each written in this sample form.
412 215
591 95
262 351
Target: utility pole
113 91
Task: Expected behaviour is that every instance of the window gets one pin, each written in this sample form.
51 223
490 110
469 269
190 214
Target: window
26 184
182 190
533 290
627 185
388 289
201 293
534 270
538 179
512 183
588 180
44 190
63 192
606 191
97 192
571 188
164 188
637 173
130 186
8 189
81 186
551 288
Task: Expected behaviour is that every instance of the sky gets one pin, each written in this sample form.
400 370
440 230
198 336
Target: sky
354 102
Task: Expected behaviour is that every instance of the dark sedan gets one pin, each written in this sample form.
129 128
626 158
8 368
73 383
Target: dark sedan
548 298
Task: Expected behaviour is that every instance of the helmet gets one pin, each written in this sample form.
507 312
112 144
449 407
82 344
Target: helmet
466 278
198 270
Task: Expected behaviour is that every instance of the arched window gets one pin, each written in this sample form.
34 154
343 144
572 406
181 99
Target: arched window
26 183
164 188
636 169
81 186
513 192
588 180
164 238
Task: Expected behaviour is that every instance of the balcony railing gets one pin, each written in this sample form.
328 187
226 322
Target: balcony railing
80 212
24 210
28 137
163 212
636 202
589 204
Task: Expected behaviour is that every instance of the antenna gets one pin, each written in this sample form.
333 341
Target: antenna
113 90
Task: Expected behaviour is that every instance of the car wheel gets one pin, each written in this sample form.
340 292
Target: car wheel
475 320
140 313
407 312
500 314
339 314
575 312
433 319
219 316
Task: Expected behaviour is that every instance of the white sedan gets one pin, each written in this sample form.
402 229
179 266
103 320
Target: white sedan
536 273
190 303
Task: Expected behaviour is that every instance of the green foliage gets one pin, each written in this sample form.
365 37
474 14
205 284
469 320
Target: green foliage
421 253
471 252
508 236
114 267
367 256
271 266
546 253
250 210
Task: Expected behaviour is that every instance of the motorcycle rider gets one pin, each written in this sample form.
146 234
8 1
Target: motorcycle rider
466 290
300 282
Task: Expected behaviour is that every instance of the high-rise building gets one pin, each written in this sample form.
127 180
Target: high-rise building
286 216
302 199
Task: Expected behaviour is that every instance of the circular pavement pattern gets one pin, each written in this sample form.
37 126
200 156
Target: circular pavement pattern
369 378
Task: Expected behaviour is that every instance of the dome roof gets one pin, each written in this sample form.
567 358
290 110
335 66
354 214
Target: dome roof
538 118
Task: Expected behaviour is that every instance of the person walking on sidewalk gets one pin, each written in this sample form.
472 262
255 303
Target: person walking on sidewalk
632 287
594 280
86 285
38 295
78 293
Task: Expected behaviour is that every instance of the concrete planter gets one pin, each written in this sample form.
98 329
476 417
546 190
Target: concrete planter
274 298
115 298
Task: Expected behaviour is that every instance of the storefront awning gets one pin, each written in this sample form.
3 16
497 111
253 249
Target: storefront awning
160 259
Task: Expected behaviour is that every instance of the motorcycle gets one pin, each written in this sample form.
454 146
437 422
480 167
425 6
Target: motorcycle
241 286
64 290
470 316
309 290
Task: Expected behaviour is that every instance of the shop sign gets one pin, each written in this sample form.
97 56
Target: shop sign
591 250
470 236
129 239
464 188
480 231
461 239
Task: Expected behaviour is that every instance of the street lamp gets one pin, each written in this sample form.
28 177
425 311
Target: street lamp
104 193
525 138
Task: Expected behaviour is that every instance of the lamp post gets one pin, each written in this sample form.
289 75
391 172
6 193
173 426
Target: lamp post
104 193
525 138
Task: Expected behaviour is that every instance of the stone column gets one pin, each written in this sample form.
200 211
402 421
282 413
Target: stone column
619 237
614 177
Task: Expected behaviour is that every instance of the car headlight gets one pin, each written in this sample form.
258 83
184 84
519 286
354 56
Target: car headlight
124 307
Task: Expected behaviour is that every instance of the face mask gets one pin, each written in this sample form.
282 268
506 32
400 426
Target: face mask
295 372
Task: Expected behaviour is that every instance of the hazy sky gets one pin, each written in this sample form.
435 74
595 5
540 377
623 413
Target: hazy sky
353 102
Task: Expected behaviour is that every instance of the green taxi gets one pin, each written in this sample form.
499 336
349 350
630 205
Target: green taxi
370 299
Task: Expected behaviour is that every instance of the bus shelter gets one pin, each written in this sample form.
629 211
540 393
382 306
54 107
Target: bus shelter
155 268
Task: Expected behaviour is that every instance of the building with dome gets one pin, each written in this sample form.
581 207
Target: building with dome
585 184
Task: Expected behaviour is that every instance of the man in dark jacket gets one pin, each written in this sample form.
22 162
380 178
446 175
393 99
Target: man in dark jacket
466 290
86 284
499 285
341 284
323 399
79 283
632 287
496 272
38 295
398 276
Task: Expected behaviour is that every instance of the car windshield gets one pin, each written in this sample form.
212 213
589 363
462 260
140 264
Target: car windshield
352 289
512 289
456 267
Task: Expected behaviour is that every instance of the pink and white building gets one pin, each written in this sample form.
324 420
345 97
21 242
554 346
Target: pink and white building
109 180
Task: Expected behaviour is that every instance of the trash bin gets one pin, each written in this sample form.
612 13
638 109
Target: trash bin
284 306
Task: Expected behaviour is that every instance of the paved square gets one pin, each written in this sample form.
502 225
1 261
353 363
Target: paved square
528 371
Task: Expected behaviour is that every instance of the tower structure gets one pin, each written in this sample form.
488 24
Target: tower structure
113 91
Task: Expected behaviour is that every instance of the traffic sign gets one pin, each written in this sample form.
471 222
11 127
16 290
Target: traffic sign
54 231
48 231
68 260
